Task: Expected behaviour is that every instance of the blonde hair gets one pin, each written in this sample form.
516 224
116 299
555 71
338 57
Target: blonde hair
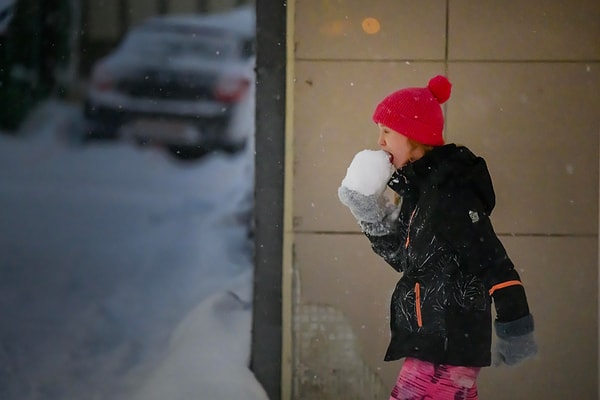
414 145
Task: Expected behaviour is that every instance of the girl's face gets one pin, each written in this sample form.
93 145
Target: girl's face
399 147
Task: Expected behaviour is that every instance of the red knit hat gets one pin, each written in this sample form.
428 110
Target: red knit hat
416 112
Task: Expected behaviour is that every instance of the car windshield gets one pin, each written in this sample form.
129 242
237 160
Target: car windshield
173 45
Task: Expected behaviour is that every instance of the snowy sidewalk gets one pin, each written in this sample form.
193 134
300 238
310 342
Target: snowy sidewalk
125 274
215 366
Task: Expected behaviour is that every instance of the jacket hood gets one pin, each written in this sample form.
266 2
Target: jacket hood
452 168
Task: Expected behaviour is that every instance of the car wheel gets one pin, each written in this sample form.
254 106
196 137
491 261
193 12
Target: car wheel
187 152
94 131
236 147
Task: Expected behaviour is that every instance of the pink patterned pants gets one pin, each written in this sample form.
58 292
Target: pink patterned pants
420 380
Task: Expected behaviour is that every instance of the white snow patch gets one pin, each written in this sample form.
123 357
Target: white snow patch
124 271
369 172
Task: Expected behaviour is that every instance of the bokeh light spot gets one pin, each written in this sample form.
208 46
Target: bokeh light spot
371 25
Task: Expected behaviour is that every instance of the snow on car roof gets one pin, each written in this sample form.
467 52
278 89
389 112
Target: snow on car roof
240 20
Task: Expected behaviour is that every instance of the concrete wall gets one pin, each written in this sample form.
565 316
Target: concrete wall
526 97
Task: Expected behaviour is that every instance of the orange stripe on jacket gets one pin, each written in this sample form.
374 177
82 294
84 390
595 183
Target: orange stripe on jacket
503 285
418 305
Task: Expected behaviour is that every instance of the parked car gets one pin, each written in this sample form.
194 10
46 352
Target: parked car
183 81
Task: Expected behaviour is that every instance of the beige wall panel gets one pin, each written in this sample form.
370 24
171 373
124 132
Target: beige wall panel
561 278
334 102
403 29
537 125
342 271
531 30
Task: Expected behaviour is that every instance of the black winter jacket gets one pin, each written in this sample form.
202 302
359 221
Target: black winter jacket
453 263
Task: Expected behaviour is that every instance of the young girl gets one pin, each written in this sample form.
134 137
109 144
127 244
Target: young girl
442 241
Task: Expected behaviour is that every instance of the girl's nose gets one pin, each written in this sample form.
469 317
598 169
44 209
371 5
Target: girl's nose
381 139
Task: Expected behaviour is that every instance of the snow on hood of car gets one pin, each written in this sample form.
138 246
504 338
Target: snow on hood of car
151 43
241 21
144 50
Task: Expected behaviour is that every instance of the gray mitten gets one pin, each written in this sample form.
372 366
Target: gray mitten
369 208
515 341
362 187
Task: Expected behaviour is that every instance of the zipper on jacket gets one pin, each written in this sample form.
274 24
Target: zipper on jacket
418 304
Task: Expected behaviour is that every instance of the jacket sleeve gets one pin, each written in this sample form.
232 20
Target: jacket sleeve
389 247
387 239
469 231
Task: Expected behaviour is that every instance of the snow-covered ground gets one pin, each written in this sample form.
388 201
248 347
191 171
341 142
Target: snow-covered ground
124 273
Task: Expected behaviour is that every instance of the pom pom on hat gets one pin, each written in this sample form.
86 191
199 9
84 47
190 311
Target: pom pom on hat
416 112
440 87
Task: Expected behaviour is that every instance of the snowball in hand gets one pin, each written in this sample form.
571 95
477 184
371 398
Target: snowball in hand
369 172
